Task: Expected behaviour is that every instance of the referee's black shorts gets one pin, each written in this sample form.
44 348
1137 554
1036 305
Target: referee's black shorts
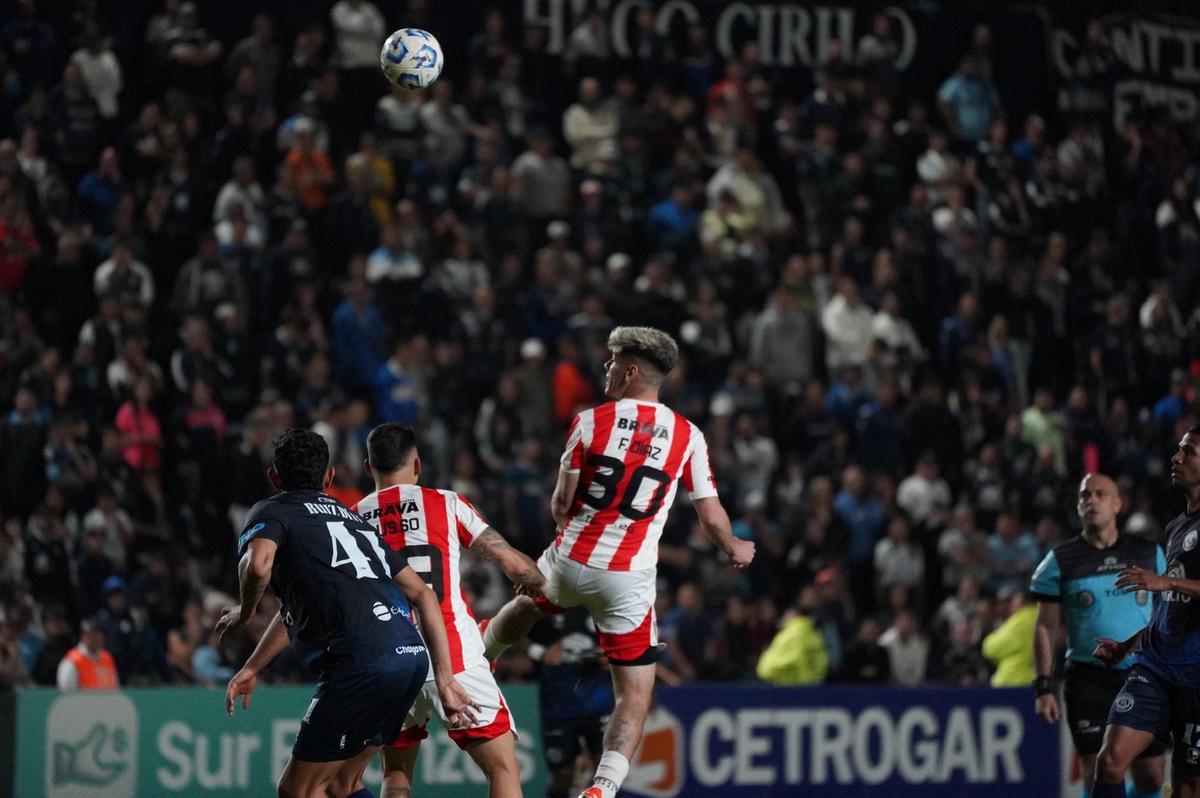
1088 691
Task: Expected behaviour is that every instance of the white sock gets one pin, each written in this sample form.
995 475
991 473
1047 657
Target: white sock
611 773
492 647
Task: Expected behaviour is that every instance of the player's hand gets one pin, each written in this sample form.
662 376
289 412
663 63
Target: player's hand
533 591
460 709
1046 707
1109 651
741 553
1134 578
231 619
242 684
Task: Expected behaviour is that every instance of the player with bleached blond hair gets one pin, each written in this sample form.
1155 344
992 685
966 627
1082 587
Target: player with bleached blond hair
618 476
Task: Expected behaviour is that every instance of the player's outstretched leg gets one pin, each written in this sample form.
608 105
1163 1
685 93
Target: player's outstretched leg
398 765
633 685
497 758
302 779
510 625
1121 746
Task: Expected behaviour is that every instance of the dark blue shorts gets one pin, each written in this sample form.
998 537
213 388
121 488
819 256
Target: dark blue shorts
359 709
1169 711
562 740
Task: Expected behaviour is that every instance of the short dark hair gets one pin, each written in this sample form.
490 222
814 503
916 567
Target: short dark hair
301 458
389 446
1193 431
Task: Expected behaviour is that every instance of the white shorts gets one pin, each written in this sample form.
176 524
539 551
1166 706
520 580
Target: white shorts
492 717
621 604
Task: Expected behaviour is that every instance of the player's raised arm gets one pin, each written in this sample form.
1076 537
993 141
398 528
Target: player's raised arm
715 523
455 700
516 566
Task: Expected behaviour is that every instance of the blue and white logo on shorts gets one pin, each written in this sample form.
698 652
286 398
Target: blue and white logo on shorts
1123 702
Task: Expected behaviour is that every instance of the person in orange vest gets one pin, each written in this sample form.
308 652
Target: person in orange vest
88 666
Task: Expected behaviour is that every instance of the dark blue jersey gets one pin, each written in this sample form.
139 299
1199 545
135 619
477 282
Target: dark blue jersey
333 576
1083 579
1171 645
577 687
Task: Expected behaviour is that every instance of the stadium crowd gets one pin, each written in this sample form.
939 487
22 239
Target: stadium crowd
909 321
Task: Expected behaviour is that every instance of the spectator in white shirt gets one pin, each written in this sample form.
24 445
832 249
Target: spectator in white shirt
589 123
101 72
907 649
847 325
898 560
242 189
889 325
125 276
358 33
924 495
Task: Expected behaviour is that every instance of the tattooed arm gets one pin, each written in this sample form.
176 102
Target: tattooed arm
519 569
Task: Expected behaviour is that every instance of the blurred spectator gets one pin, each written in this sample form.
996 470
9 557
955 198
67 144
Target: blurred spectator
796 655
908 650
960 663
898 560
1014 554
89 665
866 661
1010 647
847 325
924 495
101 71
589 124
968 100
692 636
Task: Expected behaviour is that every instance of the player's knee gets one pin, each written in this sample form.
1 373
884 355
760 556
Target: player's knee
1110 769
343 785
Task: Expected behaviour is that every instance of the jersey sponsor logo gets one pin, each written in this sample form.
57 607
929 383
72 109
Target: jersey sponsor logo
1110 564
1123 702
647 430
656 767
385 613
1190 540
91 746
1085 598
393 508
410 649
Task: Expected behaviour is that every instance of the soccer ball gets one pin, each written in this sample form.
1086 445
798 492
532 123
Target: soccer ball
411 59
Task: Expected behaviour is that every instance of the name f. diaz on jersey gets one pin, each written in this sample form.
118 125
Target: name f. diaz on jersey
334 578
1171 645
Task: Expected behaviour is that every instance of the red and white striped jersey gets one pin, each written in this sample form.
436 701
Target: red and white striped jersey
630 457
429 527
